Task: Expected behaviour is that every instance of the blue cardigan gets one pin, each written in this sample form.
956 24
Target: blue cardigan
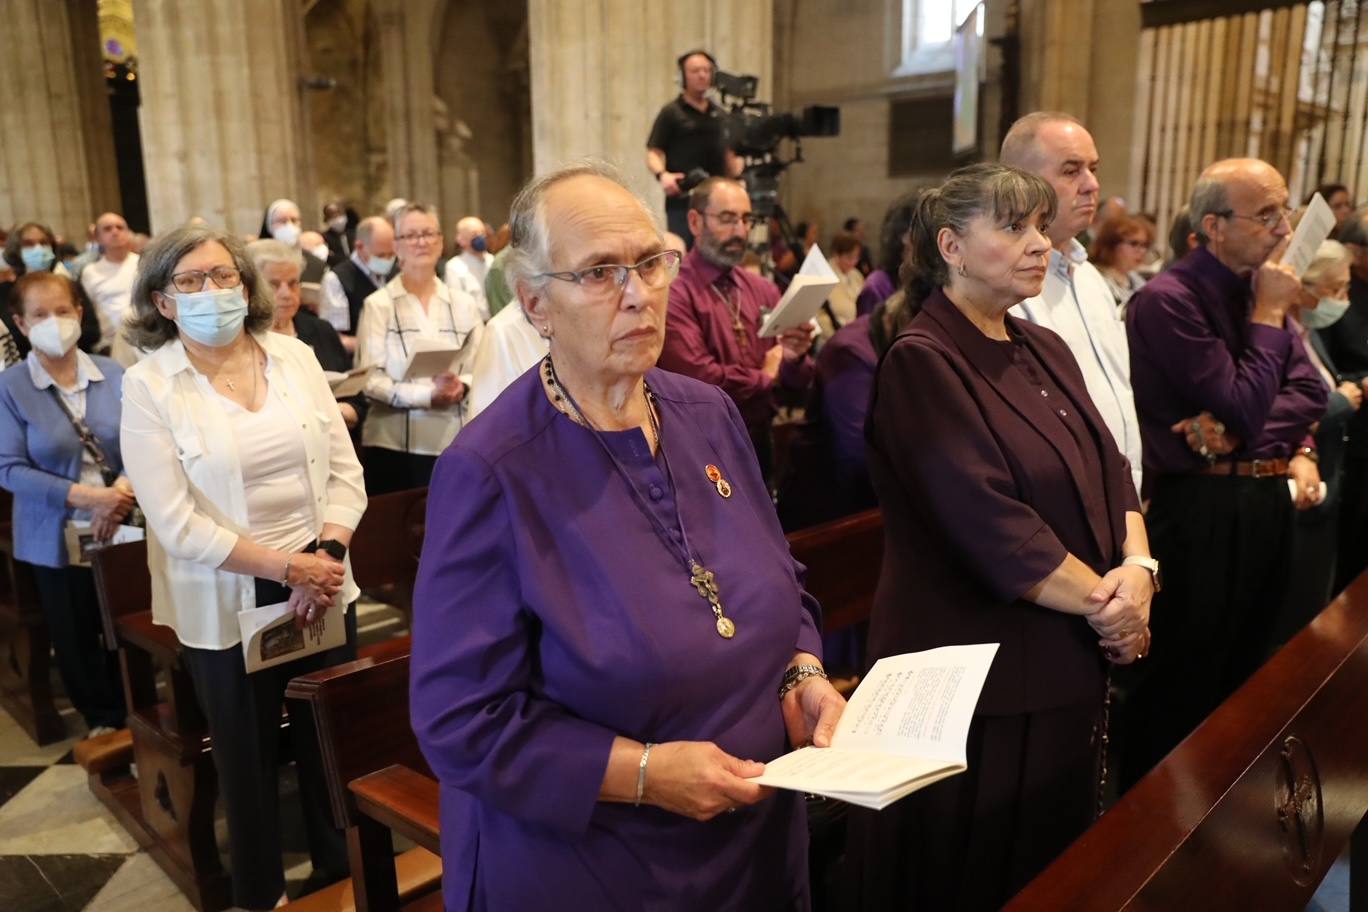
40 455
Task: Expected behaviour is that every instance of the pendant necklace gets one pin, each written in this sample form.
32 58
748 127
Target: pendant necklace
703 580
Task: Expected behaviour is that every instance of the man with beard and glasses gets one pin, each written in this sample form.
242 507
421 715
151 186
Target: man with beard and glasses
1075 300
712 329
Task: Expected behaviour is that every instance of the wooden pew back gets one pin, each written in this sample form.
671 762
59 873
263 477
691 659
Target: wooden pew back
843 559
1252 808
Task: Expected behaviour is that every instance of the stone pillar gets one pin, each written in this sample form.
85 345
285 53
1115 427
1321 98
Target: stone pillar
409 30
224 129
601 72
56 147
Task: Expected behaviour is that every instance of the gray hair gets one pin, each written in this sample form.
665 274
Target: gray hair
147 329
365 229
1329 255
1353 231
268 251
529 253
410 209
1019 145
1209 197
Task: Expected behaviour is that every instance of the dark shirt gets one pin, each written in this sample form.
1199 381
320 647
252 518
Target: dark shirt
1193 349
339 245
991 465
319 335
1346 341
690 139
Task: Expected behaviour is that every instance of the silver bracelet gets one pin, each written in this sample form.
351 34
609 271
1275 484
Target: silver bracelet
285 577
641 773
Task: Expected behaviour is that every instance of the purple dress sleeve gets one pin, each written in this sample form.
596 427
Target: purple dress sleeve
932 433
473 697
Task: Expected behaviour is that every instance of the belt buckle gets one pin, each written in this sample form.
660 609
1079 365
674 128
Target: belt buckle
1263 468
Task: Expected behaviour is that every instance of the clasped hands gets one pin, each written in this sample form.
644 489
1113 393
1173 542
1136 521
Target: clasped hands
1121 616
447 390
314 579
698 779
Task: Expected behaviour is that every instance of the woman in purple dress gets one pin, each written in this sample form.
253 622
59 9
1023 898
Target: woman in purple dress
606 607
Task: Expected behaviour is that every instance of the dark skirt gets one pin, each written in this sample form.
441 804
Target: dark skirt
974 840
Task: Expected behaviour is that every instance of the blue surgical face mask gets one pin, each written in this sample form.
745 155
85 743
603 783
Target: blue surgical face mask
479 244
212 317
380 266
37 259
1327 313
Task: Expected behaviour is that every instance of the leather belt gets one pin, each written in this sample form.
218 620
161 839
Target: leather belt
1247 468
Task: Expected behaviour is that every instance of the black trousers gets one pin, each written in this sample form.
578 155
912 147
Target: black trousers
90 672
1353 522
388 470
1225 547
244 722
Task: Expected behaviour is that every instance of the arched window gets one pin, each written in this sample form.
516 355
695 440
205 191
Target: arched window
928 27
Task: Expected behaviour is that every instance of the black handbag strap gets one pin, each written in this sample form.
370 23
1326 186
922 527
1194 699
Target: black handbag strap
89 441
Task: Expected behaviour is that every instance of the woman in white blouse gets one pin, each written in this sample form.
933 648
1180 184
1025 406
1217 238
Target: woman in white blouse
412 419
256 491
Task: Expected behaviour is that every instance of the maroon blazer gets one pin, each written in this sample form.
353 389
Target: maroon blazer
984 491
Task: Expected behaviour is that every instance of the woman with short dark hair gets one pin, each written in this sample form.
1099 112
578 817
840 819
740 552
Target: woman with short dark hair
1009 517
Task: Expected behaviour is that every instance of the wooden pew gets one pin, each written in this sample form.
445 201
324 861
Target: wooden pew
1253 807
359 712
844 558
25 663
169 807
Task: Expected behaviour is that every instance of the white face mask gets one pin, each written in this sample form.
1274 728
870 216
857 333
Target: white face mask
321 251
54 336
1327 313
338 223
286 232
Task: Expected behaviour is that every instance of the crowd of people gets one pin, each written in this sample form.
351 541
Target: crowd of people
1046 409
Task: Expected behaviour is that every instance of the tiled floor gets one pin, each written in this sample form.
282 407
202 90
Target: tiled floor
61 851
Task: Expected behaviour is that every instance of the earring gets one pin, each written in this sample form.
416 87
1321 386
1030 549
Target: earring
544 330
964 273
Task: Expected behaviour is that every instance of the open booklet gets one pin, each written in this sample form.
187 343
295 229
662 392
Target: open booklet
905 727
430 357
1315 226
270 635
347 384
804 296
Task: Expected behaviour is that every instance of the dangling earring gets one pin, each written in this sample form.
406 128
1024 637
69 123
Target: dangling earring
964 273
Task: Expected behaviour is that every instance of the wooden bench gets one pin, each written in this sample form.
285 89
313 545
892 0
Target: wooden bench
25 662
1253 807
843 558
376 778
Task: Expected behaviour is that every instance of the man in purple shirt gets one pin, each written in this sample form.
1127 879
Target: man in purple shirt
1216 369
712 330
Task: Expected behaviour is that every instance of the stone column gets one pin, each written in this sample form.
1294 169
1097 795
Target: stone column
224 129
601 72
56 146
409 30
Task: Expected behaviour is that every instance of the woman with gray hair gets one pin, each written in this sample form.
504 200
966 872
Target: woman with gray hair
606 606
279 267
258 493
1324 299
1010 517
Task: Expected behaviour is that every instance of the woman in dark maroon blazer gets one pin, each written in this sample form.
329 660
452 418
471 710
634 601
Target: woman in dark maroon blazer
1009 517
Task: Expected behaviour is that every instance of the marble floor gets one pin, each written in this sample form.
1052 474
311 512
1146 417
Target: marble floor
62 851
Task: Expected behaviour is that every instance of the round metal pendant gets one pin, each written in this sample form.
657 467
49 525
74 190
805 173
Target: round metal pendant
724 487
726 628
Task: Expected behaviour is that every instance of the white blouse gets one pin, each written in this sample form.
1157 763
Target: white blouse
401 416
178 441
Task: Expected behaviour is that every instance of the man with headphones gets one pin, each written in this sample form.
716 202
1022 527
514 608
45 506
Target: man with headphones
689 133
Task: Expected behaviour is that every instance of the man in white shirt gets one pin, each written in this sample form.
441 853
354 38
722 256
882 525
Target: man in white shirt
109 280
347 285
1075 301
466 271
509 347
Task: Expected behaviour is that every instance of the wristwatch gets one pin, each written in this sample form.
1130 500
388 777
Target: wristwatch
333 548
1150 564
797 674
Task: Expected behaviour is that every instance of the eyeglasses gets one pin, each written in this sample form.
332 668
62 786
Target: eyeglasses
419 237
655 271
193 280
728 219
1269 220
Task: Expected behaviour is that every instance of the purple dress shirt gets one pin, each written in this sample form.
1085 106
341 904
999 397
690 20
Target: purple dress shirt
1193 349
878 287
701 343
550 616
845 374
